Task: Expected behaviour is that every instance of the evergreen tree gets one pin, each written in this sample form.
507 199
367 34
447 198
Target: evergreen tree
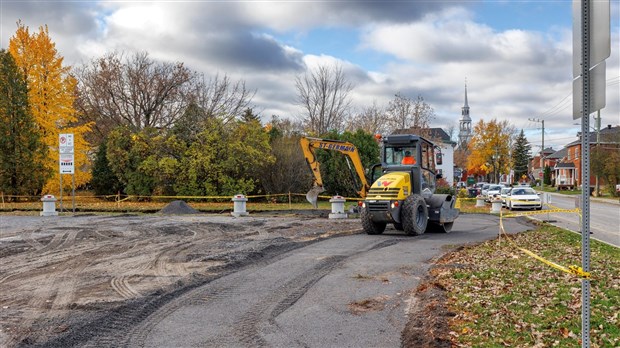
21 149
547 175
249 116
521 153
104 181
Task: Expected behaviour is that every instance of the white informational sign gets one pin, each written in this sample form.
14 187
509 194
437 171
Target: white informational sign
67 165
65 143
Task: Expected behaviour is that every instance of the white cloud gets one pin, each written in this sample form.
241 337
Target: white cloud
431 47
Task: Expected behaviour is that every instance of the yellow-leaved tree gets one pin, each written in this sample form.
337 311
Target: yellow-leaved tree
51 94
490 149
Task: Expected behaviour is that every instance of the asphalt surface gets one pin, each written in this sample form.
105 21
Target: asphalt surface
351 291
604 217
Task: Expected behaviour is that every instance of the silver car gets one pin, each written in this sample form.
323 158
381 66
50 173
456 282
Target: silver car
493 191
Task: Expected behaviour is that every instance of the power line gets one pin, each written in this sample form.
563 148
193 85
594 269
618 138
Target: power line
566 102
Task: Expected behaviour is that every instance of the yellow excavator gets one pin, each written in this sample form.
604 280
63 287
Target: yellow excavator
308 145
403 189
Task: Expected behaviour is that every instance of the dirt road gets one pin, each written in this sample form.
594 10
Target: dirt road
215 280
58 273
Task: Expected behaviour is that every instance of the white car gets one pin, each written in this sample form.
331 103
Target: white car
523 198
504 194
493 191
483 190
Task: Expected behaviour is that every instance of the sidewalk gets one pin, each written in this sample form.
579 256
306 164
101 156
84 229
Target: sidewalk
615 201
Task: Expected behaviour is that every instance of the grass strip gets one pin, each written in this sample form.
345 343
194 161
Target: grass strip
503 297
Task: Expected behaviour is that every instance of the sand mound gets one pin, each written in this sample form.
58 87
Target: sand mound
178 207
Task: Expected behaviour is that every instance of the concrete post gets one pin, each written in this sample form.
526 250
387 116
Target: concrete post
337 208
239 205
49 206
479 201
496 206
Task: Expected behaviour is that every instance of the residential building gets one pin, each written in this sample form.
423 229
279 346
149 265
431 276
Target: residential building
567 170
538 163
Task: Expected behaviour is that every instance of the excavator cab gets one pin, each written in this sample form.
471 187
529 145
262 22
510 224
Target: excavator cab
403 192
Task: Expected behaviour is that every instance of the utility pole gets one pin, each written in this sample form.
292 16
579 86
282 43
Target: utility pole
542 153
598 139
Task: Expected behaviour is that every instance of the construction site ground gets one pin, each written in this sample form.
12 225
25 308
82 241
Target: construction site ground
57 274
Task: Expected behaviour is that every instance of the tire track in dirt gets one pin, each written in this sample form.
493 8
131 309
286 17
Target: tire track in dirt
129 325
55 287
265 312
146 256
45 290
258 316
121 286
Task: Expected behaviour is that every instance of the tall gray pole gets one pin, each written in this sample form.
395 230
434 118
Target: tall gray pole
585 173
598 140
542 153
542 182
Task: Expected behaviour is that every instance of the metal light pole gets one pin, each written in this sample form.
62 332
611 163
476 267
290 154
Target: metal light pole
542 153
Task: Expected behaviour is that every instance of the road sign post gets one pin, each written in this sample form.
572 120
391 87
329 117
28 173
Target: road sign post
591 46
66 163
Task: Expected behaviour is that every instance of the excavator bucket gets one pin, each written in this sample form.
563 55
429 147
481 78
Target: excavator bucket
313 195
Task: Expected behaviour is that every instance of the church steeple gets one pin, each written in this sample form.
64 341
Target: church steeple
464 123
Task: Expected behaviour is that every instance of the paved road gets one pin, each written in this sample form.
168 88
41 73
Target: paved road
604 218
351 291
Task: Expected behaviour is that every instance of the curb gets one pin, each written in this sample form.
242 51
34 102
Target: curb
596 199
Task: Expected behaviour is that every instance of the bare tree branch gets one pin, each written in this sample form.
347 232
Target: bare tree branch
220 97
403 112
372 119
324 94
136 91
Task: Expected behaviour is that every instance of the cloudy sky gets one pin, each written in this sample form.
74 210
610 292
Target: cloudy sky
516 56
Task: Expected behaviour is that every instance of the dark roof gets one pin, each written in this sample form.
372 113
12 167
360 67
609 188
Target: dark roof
434 133
558 154
607 135
565 165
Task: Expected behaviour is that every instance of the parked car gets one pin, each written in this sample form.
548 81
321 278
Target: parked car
503 194
476 189
461 185
493 191
484 189
521 197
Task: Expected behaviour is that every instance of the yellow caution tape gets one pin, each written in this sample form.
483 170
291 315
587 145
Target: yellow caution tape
574 270
537 212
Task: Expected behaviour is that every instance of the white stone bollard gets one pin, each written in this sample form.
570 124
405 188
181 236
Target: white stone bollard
239 205
496 206
337 208
49 206
479 201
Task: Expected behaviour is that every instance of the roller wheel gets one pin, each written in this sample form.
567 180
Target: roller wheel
447 227
369 226
414 215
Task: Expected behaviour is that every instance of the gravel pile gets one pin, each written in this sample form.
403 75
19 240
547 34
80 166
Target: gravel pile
178 207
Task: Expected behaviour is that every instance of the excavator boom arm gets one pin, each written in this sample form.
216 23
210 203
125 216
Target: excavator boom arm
308 146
